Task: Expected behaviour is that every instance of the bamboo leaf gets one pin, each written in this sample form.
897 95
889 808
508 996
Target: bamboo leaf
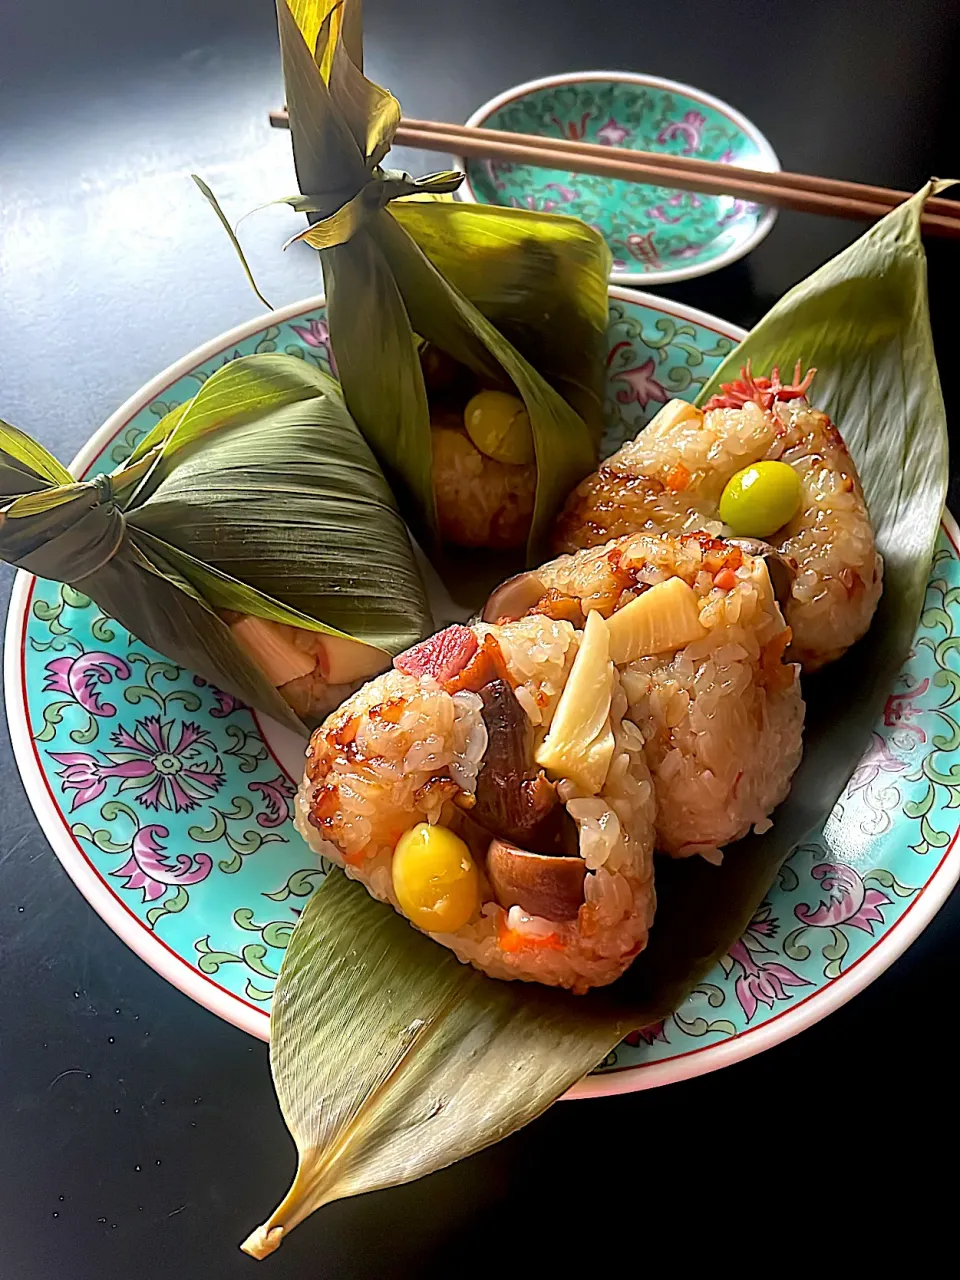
328 160
440 313
225 223
26 464
397 425
522 269
238 392
389 184
339 227
259 495
407 1018
157 436
517 266
371 113
151 601
291 510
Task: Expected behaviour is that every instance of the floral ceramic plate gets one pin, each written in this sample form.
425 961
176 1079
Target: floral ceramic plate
169 803
655 234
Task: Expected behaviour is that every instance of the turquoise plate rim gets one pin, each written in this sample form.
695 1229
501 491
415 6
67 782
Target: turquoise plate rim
194 984
769 162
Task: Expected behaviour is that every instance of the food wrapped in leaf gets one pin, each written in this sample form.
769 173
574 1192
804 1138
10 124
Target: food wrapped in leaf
392 1068
251 536
469 340
757 460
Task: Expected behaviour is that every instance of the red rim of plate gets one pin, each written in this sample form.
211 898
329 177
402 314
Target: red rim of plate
234 1009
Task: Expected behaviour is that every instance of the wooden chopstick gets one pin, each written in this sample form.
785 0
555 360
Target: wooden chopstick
802 192
689 164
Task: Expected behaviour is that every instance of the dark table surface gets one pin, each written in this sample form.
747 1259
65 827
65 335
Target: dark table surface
140 1136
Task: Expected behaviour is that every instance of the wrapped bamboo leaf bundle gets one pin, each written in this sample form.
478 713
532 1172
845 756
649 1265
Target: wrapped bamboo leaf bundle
469 340
251 537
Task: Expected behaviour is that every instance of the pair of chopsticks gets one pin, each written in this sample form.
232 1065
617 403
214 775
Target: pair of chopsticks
803 192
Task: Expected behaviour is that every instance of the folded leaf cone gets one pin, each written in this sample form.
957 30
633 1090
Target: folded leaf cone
258 496
518 297
389 1063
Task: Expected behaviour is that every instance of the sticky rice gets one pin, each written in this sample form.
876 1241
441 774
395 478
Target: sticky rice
721 717
670 478
405 749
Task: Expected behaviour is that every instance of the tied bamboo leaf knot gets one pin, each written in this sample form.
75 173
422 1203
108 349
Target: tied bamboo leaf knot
383 186
103 529
68 533
103 489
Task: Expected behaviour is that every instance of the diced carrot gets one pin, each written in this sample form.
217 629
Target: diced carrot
325 805
777 675
391 711
347 732
706 541
487 664
726 580
512 940
677 478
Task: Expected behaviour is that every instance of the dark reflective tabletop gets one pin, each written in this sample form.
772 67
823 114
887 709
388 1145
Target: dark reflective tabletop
140 1135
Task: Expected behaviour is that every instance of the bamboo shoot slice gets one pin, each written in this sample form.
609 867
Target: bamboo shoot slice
579 744
273 649
665 617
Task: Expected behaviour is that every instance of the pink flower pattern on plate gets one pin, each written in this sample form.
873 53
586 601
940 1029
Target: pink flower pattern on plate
277 797
848 901
572 129
657 1031
901 710
164 773
316 333
612 134
566 194
642 386
644 249
227 704
80 678
82 774
877 759
690 128
761 981
150 869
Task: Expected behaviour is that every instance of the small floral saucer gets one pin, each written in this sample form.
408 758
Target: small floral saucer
656 235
